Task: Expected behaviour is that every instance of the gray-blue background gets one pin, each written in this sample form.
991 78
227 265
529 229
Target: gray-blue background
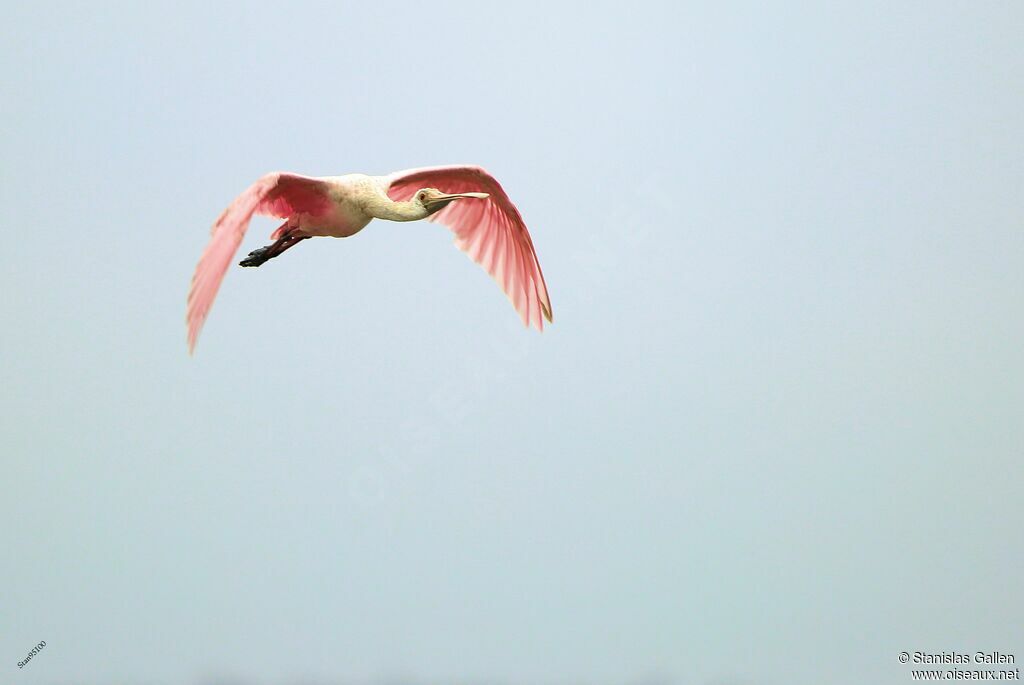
774 435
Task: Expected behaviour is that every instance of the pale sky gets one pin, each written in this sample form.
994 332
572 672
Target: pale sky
774 435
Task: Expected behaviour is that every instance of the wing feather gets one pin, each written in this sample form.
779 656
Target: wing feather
491 232
278 194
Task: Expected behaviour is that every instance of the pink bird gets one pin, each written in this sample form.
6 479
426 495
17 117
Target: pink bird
487 226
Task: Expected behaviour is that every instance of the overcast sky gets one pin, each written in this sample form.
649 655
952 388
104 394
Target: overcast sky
774 435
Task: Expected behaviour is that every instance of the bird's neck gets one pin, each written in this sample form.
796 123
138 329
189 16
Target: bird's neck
386 208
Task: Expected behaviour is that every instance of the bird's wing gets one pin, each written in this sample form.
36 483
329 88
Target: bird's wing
278 194
490 231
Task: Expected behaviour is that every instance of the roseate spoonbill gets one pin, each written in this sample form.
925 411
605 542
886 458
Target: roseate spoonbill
487 226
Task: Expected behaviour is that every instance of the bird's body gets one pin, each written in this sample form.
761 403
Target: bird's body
486 224
349 196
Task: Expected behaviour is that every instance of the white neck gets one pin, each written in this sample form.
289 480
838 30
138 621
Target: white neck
382 207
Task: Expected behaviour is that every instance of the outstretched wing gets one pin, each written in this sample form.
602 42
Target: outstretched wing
278 194
490 231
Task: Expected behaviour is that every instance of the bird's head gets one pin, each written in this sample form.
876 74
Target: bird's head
433 199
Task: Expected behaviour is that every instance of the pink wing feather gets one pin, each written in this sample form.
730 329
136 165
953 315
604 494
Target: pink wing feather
490 231
278 194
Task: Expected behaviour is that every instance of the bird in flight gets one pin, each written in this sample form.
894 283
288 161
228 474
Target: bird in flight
487 226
